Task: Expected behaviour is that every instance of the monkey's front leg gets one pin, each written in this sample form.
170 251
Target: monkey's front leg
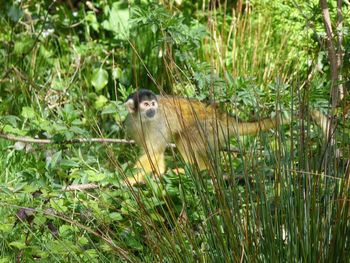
147 163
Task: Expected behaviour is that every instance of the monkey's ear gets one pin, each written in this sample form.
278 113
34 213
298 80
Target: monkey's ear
130 105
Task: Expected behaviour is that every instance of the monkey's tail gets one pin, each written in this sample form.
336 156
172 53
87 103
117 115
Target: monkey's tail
251 128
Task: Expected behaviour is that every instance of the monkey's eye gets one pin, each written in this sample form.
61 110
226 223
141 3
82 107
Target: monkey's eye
153 103
146 104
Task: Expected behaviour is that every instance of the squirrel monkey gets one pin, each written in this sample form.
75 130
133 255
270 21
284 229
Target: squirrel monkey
197 129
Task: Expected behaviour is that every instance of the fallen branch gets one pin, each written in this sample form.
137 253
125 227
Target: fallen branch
25 139
80 187
49 141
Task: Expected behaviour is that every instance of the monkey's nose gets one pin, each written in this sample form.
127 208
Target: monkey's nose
150 113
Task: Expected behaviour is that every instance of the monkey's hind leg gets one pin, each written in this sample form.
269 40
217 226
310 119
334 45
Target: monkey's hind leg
190 151
146 164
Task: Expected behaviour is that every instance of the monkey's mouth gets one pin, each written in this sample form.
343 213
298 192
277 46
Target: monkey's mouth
150 113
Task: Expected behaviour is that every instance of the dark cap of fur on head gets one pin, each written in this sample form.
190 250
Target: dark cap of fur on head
141 95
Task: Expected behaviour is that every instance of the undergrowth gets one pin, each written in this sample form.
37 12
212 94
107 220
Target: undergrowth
66 68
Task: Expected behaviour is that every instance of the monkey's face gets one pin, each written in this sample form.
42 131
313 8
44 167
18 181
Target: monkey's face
143 104
148 109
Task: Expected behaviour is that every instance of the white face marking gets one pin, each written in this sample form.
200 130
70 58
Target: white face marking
148 109
147 104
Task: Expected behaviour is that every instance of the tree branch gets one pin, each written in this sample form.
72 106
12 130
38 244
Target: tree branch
340 55
49 141
25 139
332 54
86 140
80 187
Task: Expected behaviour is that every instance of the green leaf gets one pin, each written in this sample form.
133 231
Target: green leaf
15 13
78 131
30 188
100 102
28 112
10 119
91 253
133 243
54 160
115 216
117 20
94 176
39 220
109 109
157 217
92 21
117 73
45 125
99 78
62 247
58 84
68 163
6 228
9 129
67 230
154 28
23 44
18 244
58 205
39 253
83 241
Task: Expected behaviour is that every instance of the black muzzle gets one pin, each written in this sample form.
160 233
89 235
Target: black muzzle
150 113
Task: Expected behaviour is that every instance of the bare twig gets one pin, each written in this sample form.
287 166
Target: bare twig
332 53
25 139
80 187
49 141
340 56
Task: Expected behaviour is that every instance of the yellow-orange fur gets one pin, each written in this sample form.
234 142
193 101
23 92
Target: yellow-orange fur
197 129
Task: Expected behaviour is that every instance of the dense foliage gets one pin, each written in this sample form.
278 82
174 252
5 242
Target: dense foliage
66 67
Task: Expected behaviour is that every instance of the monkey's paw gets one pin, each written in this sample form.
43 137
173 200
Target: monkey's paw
178 171
135 180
